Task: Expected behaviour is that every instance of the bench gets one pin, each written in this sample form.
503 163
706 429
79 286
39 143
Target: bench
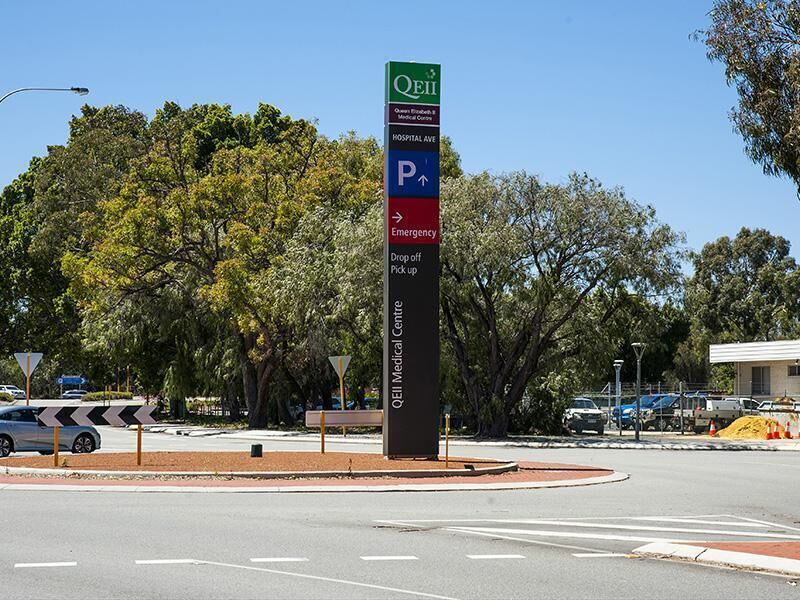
342 418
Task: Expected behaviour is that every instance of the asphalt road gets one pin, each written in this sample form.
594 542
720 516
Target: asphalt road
547 543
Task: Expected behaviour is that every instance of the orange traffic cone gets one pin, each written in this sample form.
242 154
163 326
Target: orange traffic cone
769 430
788 431
712 429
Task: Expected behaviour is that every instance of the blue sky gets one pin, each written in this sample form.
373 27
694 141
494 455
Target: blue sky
614 88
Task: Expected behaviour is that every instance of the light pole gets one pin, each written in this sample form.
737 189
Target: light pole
638 348
81 91
617 367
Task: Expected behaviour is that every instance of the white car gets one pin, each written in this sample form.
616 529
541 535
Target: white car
584 414
15 392
770 405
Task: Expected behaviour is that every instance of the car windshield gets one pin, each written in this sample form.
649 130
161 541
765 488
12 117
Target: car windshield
583 403
666 402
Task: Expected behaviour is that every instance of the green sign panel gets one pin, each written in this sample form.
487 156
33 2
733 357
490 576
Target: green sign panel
413 83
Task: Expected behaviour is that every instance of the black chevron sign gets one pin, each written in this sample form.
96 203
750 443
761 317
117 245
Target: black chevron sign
66 416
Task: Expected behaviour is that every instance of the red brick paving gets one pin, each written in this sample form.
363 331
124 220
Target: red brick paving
778 549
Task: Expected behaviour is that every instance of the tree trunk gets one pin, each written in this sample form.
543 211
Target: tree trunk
259 414
496 428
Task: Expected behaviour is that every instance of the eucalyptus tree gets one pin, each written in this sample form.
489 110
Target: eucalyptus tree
531 273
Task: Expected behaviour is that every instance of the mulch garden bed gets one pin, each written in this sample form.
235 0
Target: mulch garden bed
228 462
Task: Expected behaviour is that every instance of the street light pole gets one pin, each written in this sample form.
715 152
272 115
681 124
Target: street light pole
617 367
81 91
638 348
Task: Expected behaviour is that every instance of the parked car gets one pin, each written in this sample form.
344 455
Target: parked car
15 392
74 394
662 414
626 412
748 405
21 432
584 414
769 405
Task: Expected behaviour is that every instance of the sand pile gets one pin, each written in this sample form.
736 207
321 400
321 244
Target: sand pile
746 428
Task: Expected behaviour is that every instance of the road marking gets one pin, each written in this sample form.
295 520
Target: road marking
699 522
493 556
527 541
169 561
371 586
637 528
389 558
278 559
564 534
598 555
768 524
47 564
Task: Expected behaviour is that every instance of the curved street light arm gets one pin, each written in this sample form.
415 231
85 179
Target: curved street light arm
81 91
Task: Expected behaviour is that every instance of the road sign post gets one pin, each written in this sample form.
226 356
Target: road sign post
411 261
55 446
139 444
28 361
340 364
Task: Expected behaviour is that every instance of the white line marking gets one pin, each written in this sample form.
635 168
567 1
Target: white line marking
564 534
598 555
330 580
279 559
700 522
639 528
389 558
767 523
493 556
169 561
48 564
415 522
527 541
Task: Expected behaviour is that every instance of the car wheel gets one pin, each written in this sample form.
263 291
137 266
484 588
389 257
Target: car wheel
6 446
83 444
578 430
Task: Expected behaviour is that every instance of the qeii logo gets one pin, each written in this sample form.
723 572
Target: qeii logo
415 83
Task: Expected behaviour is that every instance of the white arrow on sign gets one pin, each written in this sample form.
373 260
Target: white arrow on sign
22 359
81 415
397 217
144 415
339 364
423 180
112 416
47 416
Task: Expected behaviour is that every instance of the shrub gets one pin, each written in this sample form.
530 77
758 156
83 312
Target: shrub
6 397
101 396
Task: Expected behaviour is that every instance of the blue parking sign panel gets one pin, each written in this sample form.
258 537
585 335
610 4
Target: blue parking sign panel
413 174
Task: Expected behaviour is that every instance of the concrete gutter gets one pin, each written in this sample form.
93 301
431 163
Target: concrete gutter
329 489
726 558
418 473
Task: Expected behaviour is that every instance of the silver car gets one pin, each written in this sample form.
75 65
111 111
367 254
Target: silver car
21 432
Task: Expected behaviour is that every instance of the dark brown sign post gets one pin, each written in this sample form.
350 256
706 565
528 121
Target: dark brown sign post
411 261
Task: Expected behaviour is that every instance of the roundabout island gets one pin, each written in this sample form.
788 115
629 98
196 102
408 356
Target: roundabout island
287 472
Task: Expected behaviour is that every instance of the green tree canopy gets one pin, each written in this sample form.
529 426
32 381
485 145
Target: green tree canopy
758 41
531 272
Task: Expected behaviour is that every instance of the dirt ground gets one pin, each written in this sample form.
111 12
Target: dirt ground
226 462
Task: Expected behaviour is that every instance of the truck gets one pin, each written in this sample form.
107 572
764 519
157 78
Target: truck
722 411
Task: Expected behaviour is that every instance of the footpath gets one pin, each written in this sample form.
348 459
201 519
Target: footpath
648 441
773 557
